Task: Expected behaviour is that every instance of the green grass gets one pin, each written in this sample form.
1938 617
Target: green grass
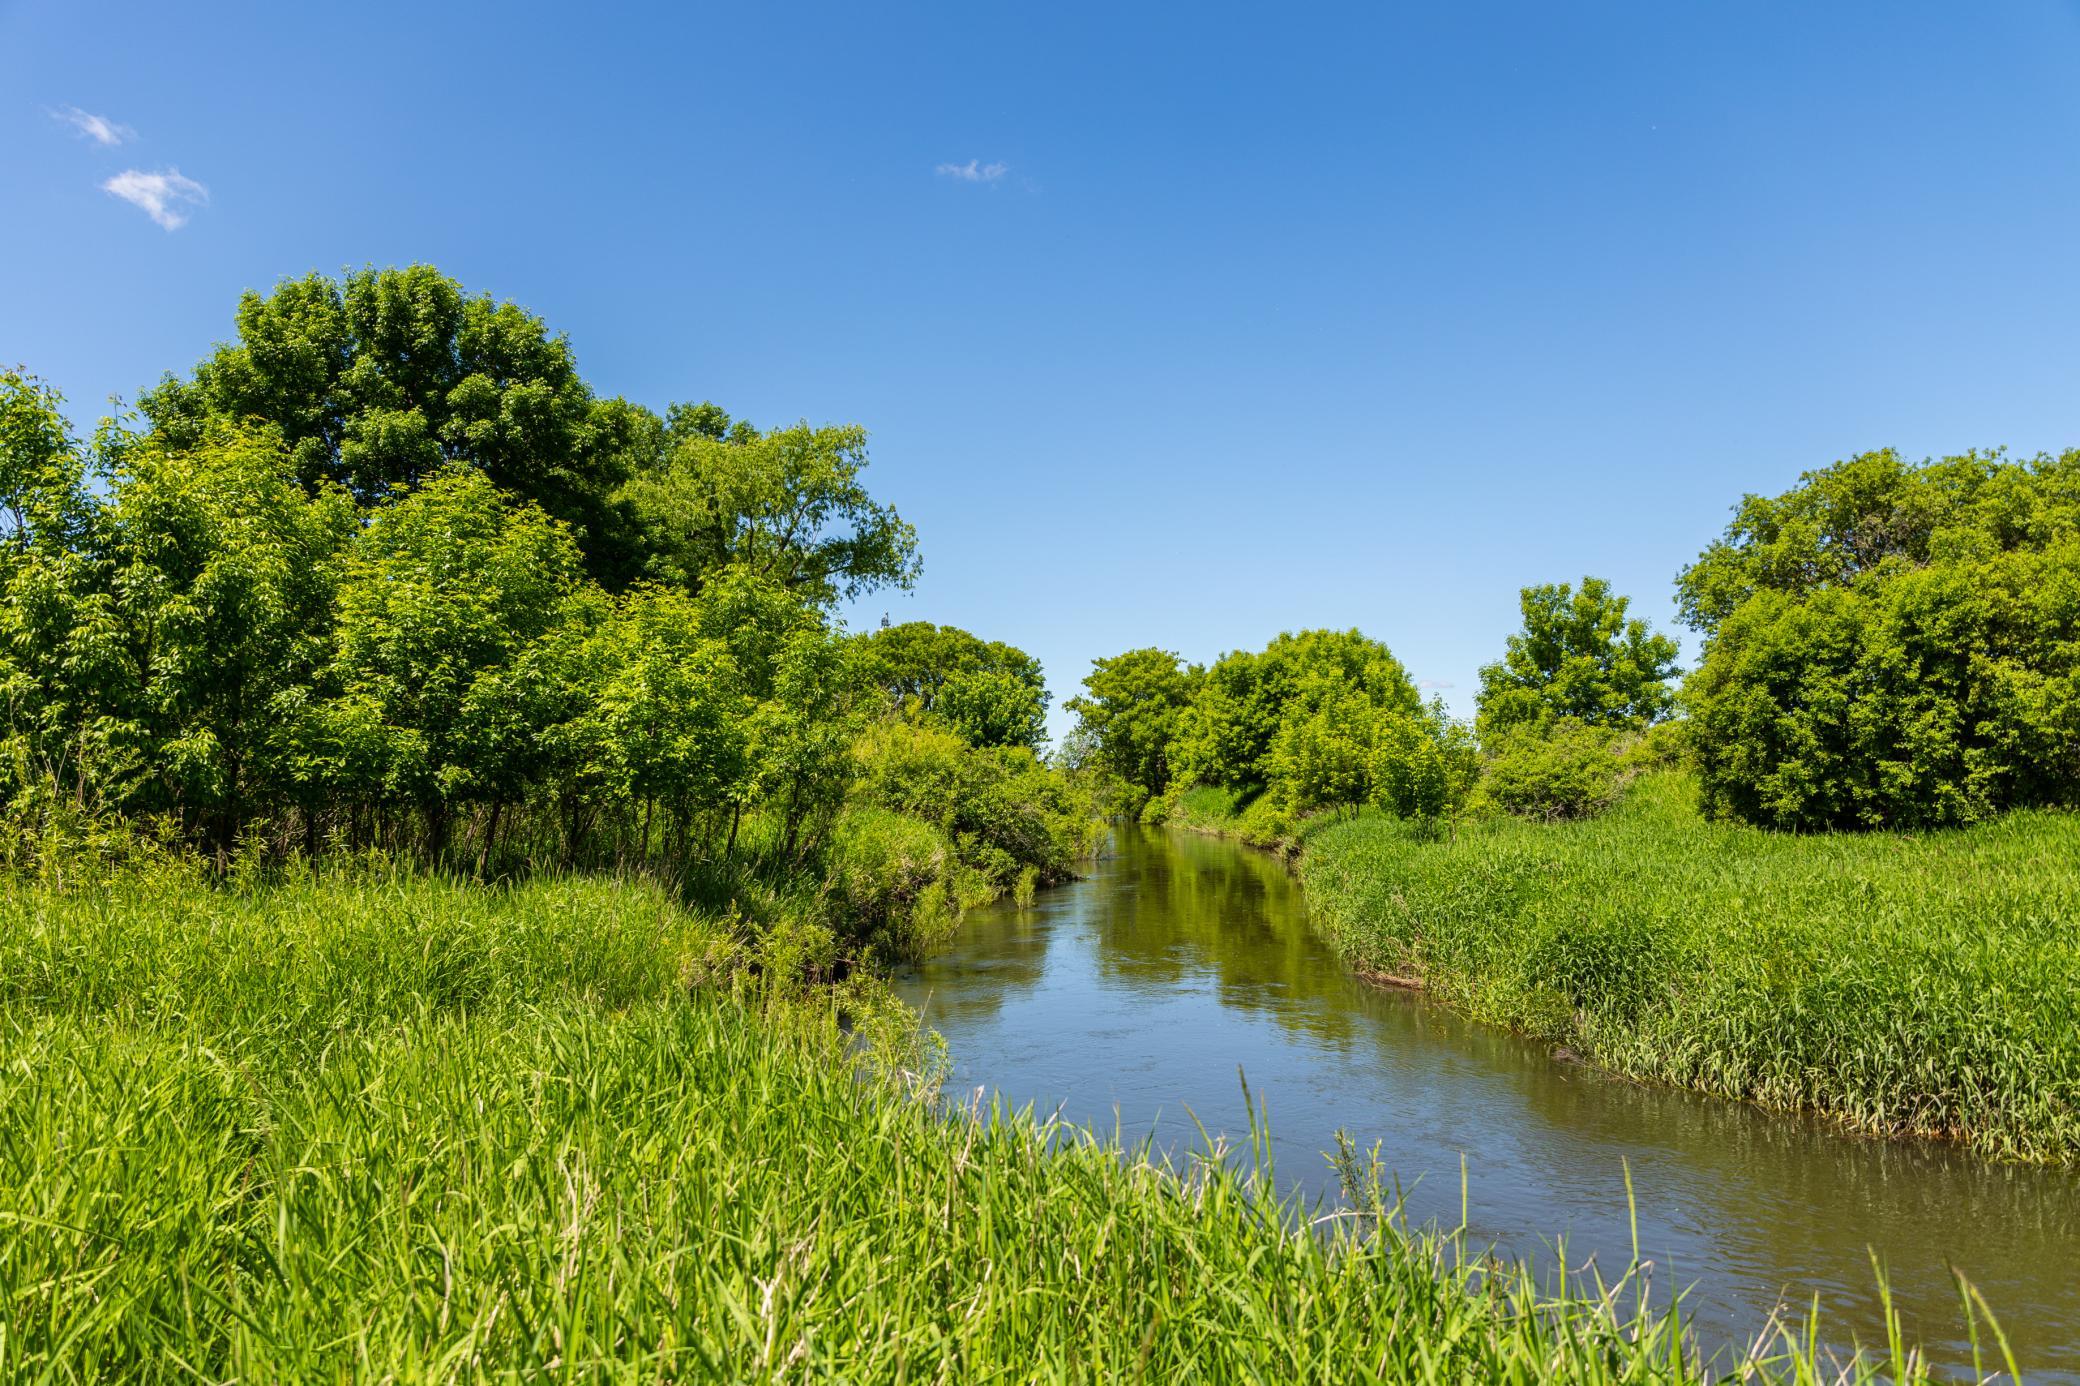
371 1126
1909 984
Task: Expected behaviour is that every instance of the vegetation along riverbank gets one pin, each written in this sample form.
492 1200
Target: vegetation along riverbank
357 1121
1832 870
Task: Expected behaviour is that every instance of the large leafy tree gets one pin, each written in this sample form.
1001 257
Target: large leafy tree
1227 735
42 466
443 591
787 505
1131 709
1578 657
378 380
59 641
1892 645
992 693
1873 513
222 576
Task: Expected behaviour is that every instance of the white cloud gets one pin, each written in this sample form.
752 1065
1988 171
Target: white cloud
1433 683
99 129
161 195
974 171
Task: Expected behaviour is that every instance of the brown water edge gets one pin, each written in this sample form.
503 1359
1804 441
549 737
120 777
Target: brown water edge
1130 999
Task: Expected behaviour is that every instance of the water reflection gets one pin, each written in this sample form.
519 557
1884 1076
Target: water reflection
1131 999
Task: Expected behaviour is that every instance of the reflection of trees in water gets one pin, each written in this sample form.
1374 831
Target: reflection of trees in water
1167 909
999 954
1194 907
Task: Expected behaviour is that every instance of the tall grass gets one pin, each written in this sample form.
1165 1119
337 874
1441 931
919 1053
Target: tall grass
376 1126
1909 984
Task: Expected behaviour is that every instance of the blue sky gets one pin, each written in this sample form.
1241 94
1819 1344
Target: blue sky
1175 326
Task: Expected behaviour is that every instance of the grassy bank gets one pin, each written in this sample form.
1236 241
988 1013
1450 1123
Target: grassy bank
1908 984
366 1125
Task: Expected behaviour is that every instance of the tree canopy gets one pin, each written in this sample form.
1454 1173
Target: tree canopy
377 380
1131 709
1892 645
788 504
991 693
381 379
1578 657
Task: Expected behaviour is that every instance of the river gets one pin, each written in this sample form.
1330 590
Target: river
1136 999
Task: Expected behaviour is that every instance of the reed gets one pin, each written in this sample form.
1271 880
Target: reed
1918 984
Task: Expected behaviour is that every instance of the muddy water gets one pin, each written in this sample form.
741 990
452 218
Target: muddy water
1131 1000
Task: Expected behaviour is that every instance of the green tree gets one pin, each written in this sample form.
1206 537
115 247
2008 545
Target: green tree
1876 512
787 505
42 466
444 589
59 646
1226 737
1132 707
378 380
1892 645
1578 657
992 693
222 576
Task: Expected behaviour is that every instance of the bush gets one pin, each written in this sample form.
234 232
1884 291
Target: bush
994 815
881 864
1569 771
1892 646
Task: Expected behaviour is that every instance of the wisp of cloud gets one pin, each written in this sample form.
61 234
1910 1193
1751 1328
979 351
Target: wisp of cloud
99 129
974 171
161 195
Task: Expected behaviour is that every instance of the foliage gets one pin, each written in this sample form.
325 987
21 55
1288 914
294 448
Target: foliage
1000 807
1318 720
378 380
383 572
1229 731
396 1127
1909 986
990 693
1875 512
444 591
1577 658
1132 708
787 505
42 473
1892 645
1567 770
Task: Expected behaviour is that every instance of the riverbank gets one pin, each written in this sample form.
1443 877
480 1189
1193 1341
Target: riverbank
373 1123
1920 985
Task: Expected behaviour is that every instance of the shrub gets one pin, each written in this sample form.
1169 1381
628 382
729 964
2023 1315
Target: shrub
1569 771
880 864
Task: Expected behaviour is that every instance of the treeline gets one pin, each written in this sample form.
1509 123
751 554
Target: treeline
384 573
1886 645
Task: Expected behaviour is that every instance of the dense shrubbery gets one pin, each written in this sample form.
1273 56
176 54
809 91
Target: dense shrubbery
1330 720
1892 645
1316 720
1569 769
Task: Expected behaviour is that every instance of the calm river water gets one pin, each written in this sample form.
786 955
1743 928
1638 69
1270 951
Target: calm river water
1130 1000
